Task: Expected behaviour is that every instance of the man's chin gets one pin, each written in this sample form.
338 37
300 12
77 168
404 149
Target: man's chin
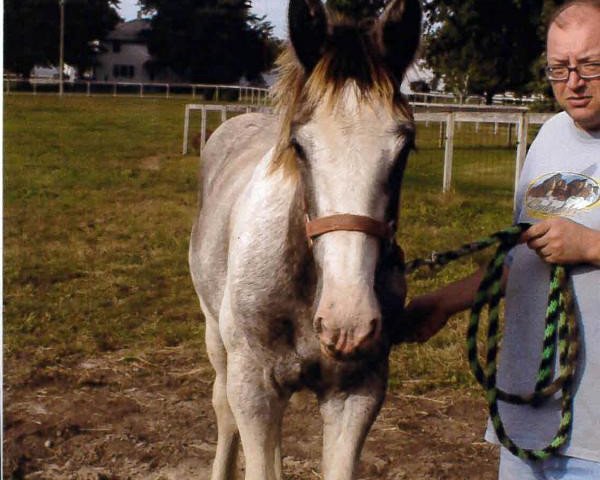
586 120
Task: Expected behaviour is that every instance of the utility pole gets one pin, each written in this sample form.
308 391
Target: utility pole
61 48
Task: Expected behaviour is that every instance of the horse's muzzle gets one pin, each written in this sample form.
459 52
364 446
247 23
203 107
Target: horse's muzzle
346 342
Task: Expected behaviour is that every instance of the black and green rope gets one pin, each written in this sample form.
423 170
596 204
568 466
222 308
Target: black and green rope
440 259
560 327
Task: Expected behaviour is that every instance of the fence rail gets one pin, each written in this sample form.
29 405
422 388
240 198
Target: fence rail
446 98
223 110
239 93
248 94
515 120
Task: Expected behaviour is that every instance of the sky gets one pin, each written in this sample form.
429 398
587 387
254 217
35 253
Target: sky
274 10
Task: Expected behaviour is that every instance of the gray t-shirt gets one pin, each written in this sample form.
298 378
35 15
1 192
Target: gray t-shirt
561 176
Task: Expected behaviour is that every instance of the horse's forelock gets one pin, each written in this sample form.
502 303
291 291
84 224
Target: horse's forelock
351 54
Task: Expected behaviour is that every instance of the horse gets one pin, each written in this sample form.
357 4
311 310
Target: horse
580 194
545 188
290 252
548 195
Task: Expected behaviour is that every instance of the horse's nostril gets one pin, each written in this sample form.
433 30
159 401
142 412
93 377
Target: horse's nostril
318 325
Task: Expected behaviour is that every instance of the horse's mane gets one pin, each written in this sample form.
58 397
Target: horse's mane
351 53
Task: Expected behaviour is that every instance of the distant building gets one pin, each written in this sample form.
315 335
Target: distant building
418 78
269 78
49 73
124 56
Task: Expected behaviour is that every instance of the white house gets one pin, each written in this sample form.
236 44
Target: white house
124 56
416 73
49 73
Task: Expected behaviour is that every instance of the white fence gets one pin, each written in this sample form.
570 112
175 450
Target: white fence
521 119
248 94
448 116
240 93
222 110
447 98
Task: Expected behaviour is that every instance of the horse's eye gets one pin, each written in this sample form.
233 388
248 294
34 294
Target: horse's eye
298 149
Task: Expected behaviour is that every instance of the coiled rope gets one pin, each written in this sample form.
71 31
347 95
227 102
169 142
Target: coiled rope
560 327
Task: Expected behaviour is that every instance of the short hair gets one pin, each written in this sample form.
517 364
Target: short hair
554 18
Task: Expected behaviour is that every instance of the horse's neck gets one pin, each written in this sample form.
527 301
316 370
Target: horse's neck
270 215
270 268
273 189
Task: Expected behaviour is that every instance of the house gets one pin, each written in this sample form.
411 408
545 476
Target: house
124 56
41 73
418 78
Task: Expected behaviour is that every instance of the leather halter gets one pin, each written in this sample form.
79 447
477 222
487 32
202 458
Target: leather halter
347 222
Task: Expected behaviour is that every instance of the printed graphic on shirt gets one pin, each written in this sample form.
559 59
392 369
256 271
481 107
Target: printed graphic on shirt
564 194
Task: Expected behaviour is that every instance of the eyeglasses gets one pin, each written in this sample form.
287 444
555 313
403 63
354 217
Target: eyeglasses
560 73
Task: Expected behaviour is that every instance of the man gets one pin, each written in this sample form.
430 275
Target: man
563 231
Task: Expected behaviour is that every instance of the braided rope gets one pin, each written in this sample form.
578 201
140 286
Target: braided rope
560 326
440 259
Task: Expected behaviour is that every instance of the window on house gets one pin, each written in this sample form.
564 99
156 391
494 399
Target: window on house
116 46
123 71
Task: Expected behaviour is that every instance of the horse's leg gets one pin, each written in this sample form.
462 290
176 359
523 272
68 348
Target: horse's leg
347 418
224 465
258 408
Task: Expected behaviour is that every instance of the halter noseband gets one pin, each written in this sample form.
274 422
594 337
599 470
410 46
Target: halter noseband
347 222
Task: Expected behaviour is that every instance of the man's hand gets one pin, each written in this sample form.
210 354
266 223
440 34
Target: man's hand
427 314
423 318
560 240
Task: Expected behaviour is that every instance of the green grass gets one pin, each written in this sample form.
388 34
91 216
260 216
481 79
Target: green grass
98 205
480 203
98 208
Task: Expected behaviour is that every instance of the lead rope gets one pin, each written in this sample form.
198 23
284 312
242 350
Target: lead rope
560 325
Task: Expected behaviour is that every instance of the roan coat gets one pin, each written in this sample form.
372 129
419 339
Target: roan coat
282 312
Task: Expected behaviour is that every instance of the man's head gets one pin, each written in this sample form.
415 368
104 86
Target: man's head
574 40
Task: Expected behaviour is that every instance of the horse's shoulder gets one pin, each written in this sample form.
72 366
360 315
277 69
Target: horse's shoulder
237 143
238 131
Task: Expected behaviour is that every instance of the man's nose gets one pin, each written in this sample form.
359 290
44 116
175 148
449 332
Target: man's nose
574 81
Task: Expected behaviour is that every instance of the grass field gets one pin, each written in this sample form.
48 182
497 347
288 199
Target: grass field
98 205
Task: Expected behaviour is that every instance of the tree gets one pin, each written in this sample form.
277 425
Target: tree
32 28
209 40
538 82
484 47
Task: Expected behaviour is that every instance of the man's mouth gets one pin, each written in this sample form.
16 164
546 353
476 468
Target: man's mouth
579 101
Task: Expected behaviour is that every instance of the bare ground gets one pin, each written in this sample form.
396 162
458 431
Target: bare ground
148 416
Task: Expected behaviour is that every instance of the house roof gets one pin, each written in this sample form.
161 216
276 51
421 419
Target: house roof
129 31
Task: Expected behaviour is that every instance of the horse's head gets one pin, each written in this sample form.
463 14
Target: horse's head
347 133
577 188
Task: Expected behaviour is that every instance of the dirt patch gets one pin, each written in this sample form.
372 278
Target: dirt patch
151 163
148 416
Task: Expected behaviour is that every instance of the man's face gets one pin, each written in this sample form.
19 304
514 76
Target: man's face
577 41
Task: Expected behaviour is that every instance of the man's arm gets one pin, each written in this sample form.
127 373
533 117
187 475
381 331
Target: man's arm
560 240
427 314
556 240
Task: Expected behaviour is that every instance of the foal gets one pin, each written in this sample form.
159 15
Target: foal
288 252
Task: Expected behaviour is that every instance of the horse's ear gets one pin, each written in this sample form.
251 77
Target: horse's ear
399 30
308 29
